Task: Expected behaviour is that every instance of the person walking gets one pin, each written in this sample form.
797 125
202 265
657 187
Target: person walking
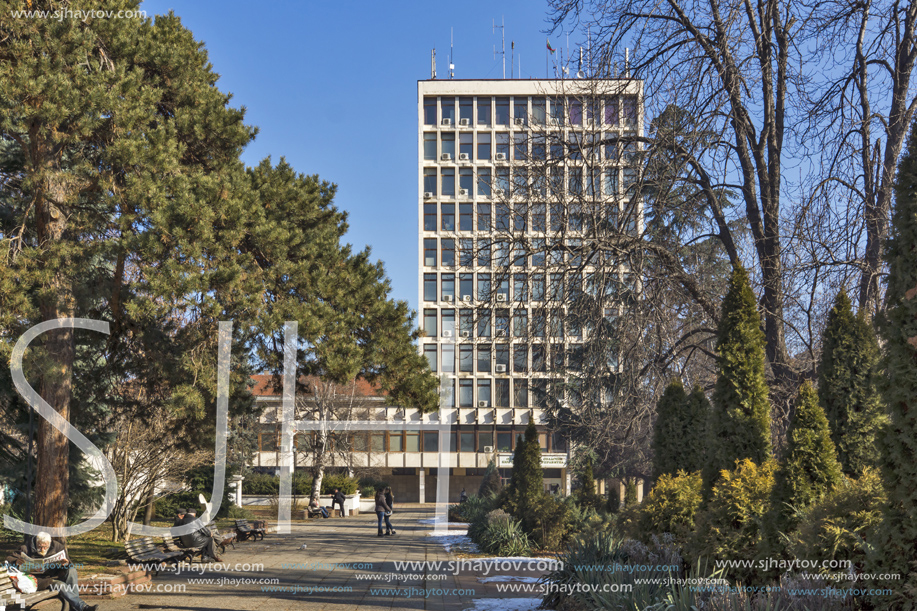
383 510
390 501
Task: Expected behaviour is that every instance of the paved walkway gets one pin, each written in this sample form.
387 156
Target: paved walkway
312 578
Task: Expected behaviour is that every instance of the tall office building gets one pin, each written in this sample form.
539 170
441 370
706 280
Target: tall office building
524 191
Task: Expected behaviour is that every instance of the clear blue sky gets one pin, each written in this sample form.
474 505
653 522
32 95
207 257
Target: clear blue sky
333 88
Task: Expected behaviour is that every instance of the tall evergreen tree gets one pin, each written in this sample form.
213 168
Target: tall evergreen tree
527 478
680 434
898 542
740 421
810 468
586 494
848 386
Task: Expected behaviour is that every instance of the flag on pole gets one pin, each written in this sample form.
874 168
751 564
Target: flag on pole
550 48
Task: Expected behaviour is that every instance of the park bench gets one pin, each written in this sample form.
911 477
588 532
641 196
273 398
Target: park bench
223 539
174 544
314 512
11 598
245 531
146 553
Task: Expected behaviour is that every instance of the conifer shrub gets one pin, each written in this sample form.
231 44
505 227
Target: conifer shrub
843 524
491 484
670 507
503 536
739 425
848 386
586 495
680 432
731 525
808 471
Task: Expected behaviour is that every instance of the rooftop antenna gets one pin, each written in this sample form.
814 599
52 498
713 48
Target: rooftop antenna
433 64
512 58
579 66
451 64
626 63
502 27
589 50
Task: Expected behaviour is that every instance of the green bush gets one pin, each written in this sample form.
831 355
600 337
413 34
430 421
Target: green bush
731 526
670 507
369 485
491 484
260 484
503 536
347 485
841 525
241 513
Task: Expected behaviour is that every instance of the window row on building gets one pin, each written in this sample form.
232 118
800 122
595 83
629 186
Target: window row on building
488 252
469 323
517 182
524 288
466 111
525 217
512 358
464 438
450 146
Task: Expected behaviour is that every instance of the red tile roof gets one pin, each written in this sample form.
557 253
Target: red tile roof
264 386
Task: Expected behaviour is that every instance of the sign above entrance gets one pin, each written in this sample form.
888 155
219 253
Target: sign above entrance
548 461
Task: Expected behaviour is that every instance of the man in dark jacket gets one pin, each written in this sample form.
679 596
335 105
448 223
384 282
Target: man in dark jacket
199 538
338 499
60 576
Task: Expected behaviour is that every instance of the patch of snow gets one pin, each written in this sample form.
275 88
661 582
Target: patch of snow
505 578
456 540
436 520
505 604
451 533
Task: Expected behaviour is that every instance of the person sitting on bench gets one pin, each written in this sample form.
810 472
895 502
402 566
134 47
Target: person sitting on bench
314 505
57 575
200 538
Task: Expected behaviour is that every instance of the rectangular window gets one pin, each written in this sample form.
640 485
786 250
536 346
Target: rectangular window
520 322
360 442
395 442
501 356
521 393
520 358
483 253
412 441
466 253
466 217
448 144
429 217
575 217
484 287
448 109
519 254
576 112
611 181
537 287
539 358
611 111
501 321
484 322
429 111
429 323
629 106
448 252
429 351
539 217
484 147
431 441
558 217
484 117
466 391
502 107
377 442
466 320
519 214
557 287
520 110
575 182
448 317
466 285
429 180
448 182
502 146
520 288
484 394
466 441
592 107
501 253
429 287
539 147
429 146
502 217
501 392
466 109
448 217
504 437
557 111
557 323
429 252
466 180
448 354
539 392
483 217
448 282
520 147
483 359
485 438
521 182
484 182
538 111
539 322
466 147
538 252
466 358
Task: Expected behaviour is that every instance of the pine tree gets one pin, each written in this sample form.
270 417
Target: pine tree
680 433
586 494
527 478
491 483
898 540
848 386
810 468
739 426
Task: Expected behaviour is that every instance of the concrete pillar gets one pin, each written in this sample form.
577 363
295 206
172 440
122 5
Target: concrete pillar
420 486
639 491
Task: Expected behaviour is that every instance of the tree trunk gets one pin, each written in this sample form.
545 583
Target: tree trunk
318 464
53 474
150 501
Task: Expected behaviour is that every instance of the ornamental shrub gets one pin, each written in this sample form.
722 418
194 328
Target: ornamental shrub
740 423
670 507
